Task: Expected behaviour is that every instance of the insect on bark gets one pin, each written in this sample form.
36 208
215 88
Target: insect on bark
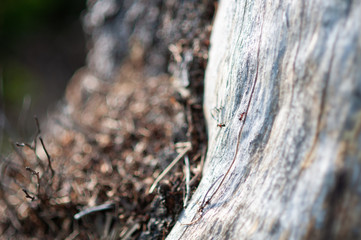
241 116
221 125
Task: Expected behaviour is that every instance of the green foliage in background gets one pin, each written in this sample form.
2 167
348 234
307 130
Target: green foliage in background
20 17
19 21
22 82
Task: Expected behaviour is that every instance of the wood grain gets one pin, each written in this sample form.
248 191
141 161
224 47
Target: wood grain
294 67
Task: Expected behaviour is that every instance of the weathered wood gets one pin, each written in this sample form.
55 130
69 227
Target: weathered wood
294 68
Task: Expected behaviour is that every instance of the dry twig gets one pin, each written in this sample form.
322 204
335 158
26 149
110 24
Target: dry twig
37 178
99 208
188 176
27 195
170 166
48 156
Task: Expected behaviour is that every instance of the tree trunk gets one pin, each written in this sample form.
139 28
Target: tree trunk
284 78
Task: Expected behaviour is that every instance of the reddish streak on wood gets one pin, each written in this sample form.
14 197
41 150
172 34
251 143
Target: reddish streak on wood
244 114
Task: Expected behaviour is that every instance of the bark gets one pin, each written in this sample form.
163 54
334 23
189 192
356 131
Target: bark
292 70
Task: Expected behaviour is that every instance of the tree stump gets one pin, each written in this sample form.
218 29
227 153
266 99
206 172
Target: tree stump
284 78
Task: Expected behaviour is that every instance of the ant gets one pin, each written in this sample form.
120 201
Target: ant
215 112
242 116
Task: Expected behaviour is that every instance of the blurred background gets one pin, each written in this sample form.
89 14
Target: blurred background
41 45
